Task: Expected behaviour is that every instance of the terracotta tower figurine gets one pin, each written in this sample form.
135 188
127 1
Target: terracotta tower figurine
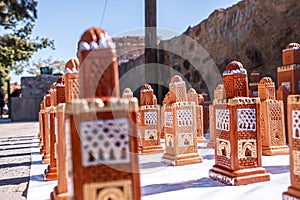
238 148
60 191
46 147
51 171
219 95
148 122
95 42
67 88
103 151
41 128
282 95
271 120
71 80
198 100
206 111
127 94
288 75
180 126
293 114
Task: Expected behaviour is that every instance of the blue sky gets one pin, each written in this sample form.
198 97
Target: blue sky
64 20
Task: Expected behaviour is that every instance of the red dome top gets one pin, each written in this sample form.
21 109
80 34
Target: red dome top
93 34
176 79
71 65
292 45
146 87
266 80
127 90
234 65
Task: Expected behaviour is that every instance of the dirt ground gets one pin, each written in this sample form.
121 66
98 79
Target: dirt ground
15 158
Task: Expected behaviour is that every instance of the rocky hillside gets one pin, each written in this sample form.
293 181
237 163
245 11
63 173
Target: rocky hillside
253 32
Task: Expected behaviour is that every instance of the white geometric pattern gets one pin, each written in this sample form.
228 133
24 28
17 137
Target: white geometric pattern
222 119
104 141
246 119
296 124
150 118
185 139
168 119
184 118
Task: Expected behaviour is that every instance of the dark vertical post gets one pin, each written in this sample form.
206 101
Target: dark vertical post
150 32
8 97
151 47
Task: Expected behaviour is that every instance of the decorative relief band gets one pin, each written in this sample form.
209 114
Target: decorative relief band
247 149
296 157
223 148
185 139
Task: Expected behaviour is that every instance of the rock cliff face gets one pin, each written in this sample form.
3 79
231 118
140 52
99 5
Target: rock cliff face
253 32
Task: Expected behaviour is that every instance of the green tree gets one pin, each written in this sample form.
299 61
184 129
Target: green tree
57 66
17 19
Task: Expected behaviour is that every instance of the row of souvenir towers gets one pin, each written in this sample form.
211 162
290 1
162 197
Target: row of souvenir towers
90 137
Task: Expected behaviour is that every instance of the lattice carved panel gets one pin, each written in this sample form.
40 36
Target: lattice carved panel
75 88
296 158
150 118
169 119
180 92
151 134
223 148
275 124
222 119
263 124
246 119
105 141
185 139
184 118
247 149
240 85
296 124
139 118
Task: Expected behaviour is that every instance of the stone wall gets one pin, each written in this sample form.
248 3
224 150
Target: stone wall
252 32
33 89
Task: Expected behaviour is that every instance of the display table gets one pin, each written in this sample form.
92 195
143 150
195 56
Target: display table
189 182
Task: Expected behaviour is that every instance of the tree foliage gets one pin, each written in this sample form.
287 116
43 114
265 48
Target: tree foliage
58 66
17 19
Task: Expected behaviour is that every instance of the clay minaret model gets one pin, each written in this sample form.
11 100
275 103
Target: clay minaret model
238 148
104 156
